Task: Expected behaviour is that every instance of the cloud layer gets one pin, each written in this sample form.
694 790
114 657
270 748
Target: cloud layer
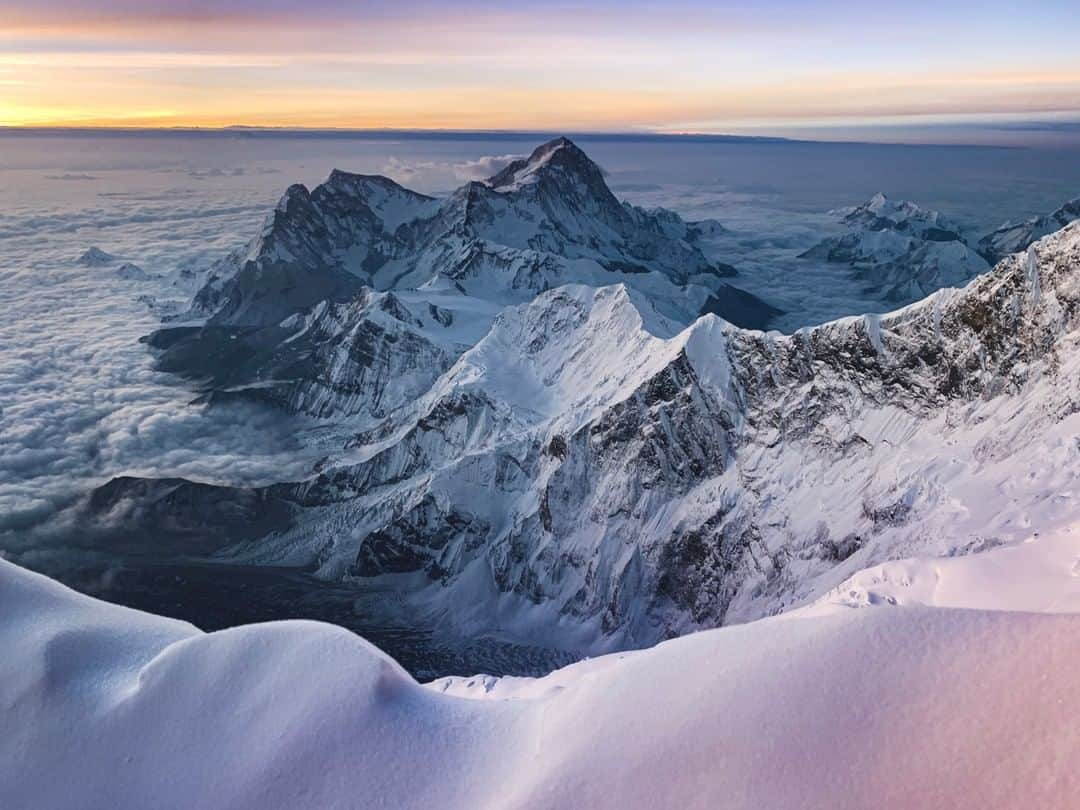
434 174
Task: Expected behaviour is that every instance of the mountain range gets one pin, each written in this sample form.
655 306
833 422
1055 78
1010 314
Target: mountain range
549 415
900 251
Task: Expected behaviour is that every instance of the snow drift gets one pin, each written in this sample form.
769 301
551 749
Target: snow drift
888 707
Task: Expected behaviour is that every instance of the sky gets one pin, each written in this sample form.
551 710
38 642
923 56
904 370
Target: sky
772 66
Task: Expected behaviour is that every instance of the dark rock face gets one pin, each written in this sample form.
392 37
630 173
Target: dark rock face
184 516
418 540
366 355
316 246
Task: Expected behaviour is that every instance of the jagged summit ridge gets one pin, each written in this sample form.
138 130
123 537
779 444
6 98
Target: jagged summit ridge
546 220
557 155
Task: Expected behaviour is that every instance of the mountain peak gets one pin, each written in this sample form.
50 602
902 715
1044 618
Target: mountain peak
354 183
555 143
881 213
559 153
96 257
1013 237
295 194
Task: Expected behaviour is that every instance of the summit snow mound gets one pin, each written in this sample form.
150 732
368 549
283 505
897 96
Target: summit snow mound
931 707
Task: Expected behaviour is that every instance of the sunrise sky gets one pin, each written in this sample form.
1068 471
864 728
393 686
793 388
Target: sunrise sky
678 66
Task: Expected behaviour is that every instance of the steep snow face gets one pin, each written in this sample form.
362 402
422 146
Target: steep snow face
1041 574
901 250
1013 237
138 711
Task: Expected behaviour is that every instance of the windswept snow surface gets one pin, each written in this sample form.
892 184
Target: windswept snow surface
884 707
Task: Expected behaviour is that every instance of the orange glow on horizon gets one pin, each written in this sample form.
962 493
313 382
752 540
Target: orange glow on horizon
501 70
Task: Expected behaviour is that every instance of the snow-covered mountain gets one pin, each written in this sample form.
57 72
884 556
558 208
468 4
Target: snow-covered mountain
516 445
590 463
295 318
315 246
901 251
546 220
1013 237
512 415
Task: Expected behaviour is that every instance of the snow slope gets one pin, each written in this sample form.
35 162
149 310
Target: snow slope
1041 574
884 707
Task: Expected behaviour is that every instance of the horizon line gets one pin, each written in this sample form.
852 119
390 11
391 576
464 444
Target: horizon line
434 132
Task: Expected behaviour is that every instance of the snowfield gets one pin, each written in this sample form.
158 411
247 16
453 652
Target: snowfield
903 703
